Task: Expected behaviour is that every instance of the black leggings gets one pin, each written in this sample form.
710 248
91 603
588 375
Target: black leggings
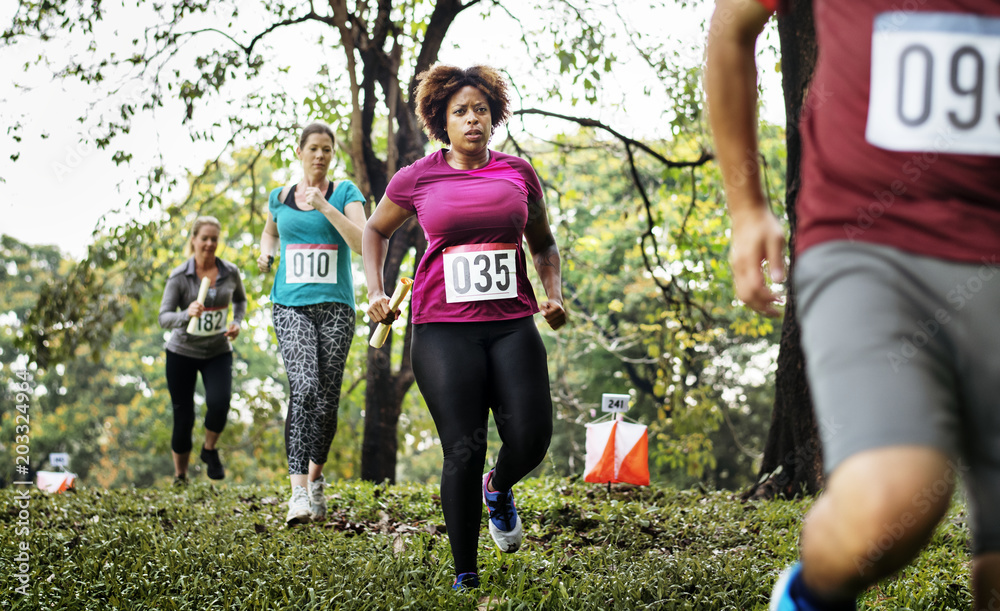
182 374
463 370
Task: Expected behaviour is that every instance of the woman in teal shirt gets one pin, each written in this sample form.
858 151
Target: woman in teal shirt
318 223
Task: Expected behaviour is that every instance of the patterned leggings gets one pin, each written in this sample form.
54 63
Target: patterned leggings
314 342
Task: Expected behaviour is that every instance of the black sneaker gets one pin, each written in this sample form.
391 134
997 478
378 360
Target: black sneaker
211 459
180 481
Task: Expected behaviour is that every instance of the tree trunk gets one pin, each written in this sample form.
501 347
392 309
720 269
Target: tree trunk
385 389
793 457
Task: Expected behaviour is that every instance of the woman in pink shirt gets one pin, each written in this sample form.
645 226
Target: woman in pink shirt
475 346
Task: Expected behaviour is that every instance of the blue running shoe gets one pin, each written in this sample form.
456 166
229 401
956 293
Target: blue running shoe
466 581
505 524
781 597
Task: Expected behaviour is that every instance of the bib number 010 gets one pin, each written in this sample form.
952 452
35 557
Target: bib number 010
311 263
480 272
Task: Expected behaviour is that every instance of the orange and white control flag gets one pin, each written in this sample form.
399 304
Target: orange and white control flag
55 481
617 452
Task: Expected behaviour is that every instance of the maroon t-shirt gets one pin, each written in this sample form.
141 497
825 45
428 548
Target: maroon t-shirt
474 268
911 158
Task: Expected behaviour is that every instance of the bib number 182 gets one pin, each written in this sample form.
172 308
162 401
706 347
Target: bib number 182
211 322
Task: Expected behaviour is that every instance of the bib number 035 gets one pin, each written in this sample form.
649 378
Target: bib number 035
935 83
311 263
480 272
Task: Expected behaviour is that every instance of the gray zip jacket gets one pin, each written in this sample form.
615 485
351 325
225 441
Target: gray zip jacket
182 289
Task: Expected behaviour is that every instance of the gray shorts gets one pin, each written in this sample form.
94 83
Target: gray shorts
905 350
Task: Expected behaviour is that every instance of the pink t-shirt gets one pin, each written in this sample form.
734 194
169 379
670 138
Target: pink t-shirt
474 268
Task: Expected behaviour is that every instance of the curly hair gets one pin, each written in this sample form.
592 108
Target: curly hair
436 86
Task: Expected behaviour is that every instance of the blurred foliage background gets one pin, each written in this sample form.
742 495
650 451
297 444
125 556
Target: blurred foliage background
652 318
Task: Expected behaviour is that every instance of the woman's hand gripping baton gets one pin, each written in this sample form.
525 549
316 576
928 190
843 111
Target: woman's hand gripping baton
202 293
382 331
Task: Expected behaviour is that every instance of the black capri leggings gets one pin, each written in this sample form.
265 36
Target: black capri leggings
182 374
463 370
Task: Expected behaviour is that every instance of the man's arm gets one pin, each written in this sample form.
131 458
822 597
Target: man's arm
731 85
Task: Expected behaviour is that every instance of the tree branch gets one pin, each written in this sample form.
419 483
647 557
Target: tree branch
248 48
310 16
588 122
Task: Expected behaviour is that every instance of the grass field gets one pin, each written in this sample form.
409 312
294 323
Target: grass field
384 547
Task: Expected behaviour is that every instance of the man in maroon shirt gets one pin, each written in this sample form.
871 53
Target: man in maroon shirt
897 241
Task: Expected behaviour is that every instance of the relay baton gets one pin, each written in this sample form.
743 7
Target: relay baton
382 331
202 293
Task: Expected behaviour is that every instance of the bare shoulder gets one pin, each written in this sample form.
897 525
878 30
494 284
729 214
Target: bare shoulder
742 16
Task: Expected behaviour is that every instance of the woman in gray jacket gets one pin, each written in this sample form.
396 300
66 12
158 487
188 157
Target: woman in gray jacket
202 346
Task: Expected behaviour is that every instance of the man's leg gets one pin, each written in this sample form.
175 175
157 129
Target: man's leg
879 509
986 581
881 365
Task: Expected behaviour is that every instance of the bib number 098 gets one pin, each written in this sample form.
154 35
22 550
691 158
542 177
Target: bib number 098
935 83
919 59
480 272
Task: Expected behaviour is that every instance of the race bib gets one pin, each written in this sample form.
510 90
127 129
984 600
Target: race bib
935 83
480 272
311 263
211 322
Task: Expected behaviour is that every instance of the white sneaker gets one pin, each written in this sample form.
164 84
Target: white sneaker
505 524
317 499
508 541
298 507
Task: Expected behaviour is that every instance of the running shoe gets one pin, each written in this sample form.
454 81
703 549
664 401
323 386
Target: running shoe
211 459
505 524
298 507
180 481
317 499
781 597
466 581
